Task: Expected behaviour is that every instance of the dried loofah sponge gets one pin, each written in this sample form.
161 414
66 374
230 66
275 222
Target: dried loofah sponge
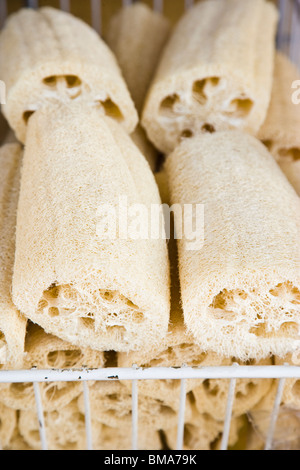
12 323
120 438
215 72
141 140
211 396
203 432
240 288
47 54
280 132
92 290
66 430
45 351
112 405
286 432
8 423
178 348
137 36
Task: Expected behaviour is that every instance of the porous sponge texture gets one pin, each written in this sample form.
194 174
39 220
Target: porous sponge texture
137 36
12 323
280 131
215 73
240 291
48 54
104 293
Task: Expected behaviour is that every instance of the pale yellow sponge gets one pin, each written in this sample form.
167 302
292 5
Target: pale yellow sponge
12 323
137 36
47 55
240 278
88 283
66 430
280 132
44 351
215 73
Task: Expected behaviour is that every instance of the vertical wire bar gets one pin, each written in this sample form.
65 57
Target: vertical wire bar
274 416
280 31
228 415
40 415
294 34
3 12
158 5
96 9
285 10
87 410
188 4
65 5
33 3
134 415
181 415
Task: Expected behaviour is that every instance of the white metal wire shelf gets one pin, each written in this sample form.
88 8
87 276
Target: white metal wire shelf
136 374
288 41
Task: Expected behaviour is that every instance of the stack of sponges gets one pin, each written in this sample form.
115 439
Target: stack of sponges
100 133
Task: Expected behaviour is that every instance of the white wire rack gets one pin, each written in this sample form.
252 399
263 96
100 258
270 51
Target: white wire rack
288 41
136 374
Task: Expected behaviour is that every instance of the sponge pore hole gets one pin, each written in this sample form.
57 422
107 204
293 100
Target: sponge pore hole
199 91
27 115
240 107
168 103
112 110
63 359
290 154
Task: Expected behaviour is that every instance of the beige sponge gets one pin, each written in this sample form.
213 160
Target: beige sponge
12 323
211 396
8 420
120 438
137 36
112 405
66 430
240 283
45 351
280 132
178 348
203 432
89 285
47 55
141 140
215 72
287 427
